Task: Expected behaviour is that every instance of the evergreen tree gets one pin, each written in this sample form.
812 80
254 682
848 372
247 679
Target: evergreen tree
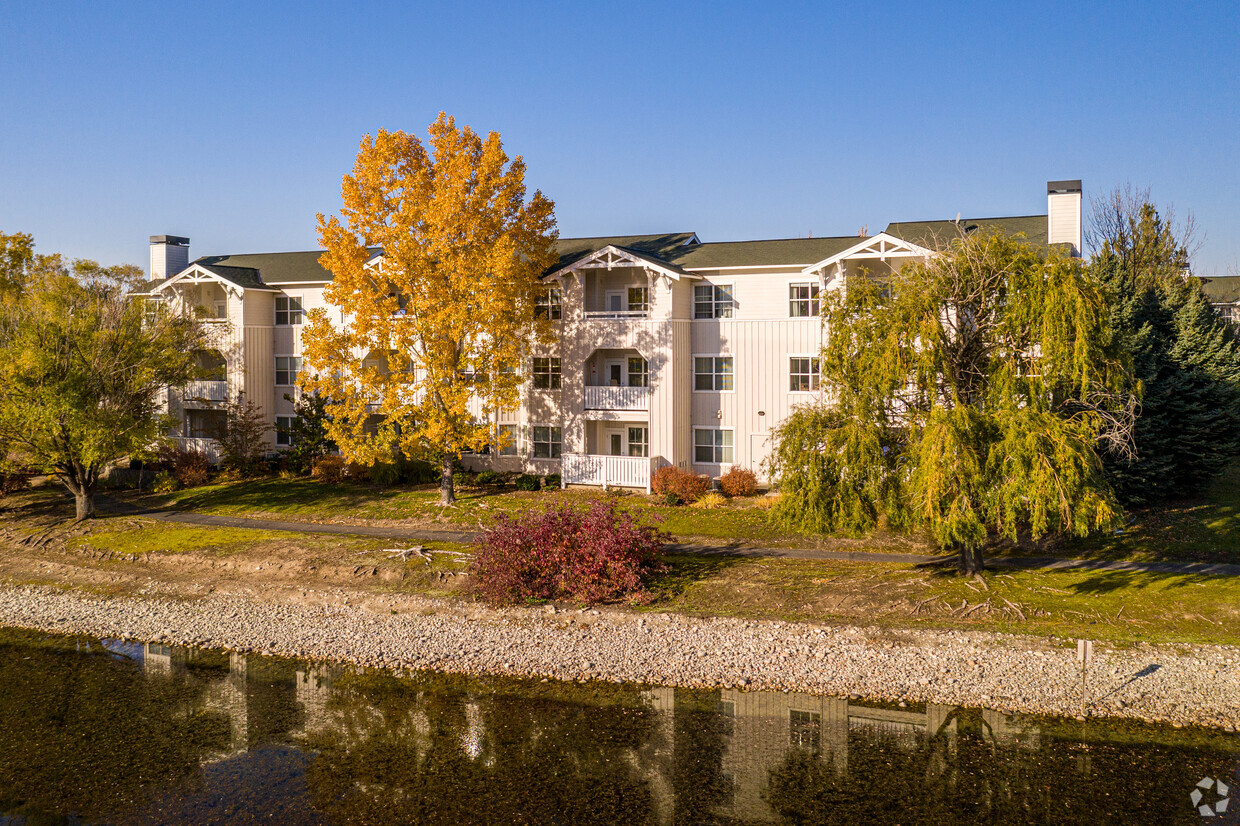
1183 352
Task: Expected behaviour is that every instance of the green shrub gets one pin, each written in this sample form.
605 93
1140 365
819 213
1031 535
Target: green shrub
739 481
687 486
329 469
164 482
527 481
672 499
418 472
551 480
489 477
384 474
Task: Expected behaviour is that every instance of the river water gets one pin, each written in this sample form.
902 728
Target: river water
110 732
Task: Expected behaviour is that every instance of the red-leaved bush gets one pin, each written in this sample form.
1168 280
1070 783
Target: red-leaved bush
738 481
684 485
599 555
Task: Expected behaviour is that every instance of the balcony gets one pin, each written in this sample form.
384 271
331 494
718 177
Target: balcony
205 391
606 471
616 398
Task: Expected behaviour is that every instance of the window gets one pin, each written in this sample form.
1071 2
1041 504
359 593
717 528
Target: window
507 440
288 310
805 729
151 308
284 428
639 441
547 373
712 301
802 374
639 299
550 303
287 368
639 372
712 373
802 300
547 442
712 446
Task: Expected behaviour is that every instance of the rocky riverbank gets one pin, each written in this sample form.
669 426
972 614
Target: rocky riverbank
1183 685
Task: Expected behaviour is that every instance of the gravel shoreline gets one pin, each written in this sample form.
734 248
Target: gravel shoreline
1178 684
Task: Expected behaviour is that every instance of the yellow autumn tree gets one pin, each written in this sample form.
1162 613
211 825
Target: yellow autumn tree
436 257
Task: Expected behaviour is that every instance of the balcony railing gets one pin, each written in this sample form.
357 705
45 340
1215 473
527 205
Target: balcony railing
207 446
616 398
616 315
607 471
206 391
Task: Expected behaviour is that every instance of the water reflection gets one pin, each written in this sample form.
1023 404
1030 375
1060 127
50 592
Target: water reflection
155 734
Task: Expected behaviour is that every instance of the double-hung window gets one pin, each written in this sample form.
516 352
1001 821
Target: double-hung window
639 299
639 372
547 442
284 430
549 303
151 309
287 368
508 440
712 446
547 373
639 441
802 374
712 373
803 301
288 310
713 301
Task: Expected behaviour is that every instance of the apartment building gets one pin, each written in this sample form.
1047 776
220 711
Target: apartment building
670 350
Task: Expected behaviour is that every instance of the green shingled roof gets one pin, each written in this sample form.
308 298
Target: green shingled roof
660 247
936 234
799 252
1221 289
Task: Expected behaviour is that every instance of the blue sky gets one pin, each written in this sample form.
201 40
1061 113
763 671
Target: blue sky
232 123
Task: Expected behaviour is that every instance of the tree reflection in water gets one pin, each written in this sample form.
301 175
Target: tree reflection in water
150 734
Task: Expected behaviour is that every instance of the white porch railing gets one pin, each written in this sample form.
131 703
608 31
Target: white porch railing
607 471
616 398
616 315
208 446
209 391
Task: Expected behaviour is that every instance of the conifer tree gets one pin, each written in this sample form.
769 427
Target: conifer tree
1184 353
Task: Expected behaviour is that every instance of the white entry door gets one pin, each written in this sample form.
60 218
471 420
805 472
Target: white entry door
615 301
615 442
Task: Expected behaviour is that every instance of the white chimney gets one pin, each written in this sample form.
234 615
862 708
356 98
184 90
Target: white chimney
1063 214
169 255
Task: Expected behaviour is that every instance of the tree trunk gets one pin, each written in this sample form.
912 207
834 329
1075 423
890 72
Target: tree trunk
85 501
447 492
969 560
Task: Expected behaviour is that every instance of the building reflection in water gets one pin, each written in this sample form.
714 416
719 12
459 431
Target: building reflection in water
372 746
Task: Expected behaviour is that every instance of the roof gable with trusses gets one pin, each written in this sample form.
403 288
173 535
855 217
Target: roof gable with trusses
235 282
613 257
881 247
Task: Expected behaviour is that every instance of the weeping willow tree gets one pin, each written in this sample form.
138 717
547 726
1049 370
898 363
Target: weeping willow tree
970 396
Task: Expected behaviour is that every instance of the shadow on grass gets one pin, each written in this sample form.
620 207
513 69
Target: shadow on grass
1107 582
683 570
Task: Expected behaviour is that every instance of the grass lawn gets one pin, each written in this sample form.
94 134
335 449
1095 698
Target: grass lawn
305 499
1206 530
1123 607
132 536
